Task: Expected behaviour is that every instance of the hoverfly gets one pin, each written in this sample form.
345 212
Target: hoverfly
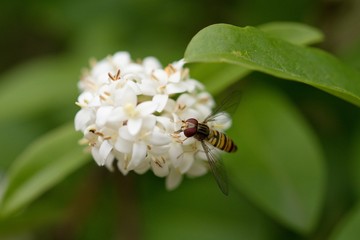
211 138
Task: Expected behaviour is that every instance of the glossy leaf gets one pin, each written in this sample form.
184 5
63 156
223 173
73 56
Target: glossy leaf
43 164
292 32
219 76
279 164
251 48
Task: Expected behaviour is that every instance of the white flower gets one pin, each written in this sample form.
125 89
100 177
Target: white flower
131 110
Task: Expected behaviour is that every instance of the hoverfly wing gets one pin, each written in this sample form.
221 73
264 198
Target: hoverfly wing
228 104
217 168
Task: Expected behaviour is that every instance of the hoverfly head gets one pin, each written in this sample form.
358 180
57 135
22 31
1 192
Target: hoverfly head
190 128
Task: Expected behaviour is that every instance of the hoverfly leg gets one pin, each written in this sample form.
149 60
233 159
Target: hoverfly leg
177 136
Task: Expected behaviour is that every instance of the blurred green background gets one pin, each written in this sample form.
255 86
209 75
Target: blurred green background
46 44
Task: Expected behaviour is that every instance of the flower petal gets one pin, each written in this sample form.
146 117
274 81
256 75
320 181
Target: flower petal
124 133
125 96
160 100
186 99
121 59
85 98
117 115
104 151
96 155
179 64
102 115
158 138
173 180
159 168
148 87
149 122
83 118
165 123
146 108
142 168
150 64
134 86
161 76
134 125
123 145
187 161
122 162
138 155
176 88
100 71
176 77
109 163
198 168
159 150
176 154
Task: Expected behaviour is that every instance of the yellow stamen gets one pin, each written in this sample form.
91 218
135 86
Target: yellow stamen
116 76
170 69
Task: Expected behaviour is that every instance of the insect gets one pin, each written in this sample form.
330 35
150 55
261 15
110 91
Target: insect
211 138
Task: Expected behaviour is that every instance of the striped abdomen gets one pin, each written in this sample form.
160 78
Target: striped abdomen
221 141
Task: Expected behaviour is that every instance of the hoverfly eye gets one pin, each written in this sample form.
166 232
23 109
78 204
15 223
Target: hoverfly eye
192 121
191 128
190 131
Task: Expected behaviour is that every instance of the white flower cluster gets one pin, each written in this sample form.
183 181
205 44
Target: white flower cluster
130 111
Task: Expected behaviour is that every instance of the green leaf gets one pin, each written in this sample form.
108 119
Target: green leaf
253 49
279 165
292 32
349 228
36 217
219 76
198 210
42 165
37 86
